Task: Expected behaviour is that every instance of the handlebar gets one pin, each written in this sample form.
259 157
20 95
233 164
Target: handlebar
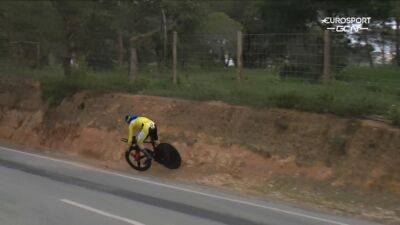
126 140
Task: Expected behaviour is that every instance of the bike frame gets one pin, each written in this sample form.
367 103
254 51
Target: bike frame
153 144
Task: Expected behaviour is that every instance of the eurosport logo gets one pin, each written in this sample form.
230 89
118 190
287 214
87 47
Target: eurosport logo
346 24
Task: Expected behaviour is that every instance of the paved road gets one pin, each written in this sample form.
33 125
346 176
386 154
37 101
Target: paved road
39 190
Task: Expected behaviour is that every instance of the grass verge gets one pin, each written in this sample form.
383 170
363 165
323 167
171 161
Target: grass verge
356 92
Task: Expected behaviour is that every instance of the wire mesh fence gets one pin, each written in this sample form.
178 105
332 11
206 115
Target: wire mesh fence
299 56
291 54
278 69
287 55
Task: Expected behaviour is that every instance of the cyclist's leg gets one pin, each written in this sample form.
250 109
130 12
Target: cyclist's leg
134 142
153 132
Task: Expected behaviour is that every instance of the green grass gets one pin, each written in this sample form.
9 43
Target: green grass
394 114
378 79
356 92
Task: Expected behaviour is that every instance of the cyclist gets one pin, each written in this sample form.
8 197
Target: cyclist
139 128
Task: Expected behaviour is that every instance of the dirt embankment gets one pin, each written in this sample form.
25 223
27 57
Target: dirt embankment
223 145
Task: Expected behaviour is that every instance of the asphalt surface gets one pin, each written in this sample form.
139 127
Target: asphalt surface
39 190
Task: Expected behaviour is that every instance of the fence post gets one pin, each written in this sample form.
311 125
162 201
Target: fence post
239 62
165 37
133 64
398 40
174 57
326 76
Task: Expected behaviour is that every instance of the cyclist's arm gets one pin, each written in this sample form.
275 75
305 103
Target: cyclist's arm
143 134
130 134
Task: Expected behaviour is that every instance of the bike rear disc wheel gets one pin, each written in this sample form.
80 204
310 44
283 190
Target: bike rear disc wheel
167 155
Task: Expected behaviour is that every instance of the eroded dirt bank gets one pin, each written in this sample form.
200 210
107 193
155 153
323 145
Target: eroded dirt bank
254 150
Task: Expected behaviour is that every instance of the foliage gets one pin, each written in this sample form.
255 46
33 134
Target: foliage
292 19
220 39
219 23
22 22
394 114
55 89
247 13
86 31
91 36
100 31
184 16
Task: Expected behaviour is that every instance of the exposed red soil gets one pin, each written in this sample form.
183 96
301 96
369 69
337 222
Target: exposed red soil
221 144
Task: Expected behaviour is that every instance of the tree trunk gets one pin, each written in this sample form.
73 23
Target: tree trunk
369 52
121 49
174 58
221 57
371 61
239 56
133 65
134 42
165 30
70 58
398 41
383 52
67 65
38 55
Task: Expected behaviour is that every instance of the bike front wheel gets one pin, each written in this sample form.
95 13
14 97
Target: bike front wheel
138 159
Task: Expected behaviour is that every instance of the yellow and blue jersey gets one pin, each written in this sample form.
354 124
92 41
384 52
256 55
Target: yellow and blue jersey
139 128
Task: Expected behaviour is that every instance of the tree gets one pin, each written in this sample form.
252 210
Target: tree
37 31
73 14
143 23
396 15
247 13
184 16
220 39
284 17
100 35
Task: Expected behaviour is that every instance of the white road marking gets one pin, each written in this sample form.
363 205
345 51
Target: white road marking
180 188
123 219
